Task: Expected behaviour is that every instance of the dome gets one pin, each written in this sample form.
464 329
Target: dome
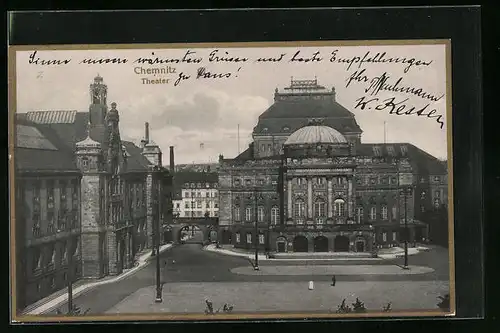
314 135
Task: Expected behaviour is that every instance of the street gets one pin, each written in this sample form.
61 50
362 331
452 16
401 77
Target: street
188 270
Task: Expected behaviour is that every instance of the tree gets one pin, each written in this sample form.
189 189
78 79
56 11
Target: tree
358 306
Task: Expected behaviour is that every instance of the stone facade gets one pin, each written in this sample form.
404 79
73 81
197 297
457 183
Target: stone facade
310 184
86 200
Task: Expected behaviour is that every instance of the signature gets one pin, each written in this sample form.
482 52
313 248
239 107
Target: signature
399 108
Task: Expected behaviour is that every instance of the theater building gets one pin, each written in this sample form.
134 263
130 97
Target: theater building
86 200
307 182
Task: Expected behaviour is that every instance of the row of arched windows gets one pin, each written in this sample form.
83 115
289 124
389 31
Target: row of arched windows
319 208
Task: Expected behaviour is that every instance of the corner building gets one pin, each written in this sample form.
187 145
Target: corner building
308 184
86 200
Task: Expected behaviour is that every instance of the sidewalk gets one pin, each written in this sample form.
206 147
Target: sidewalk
398 252
296 256
80 287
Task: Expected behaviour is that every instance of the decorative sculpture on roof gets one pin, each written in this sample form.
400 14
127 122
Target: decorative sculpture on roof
315 121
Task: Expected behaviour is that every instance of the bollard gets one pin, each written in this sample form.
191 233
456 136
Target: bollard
311 285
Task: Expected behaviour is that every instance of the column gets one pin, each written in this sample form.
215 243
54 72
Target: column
309 198
350 196
289 206
329 195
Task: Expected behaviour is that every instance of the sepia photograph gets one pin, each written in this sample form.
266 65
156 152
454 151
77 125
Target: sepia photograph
231 181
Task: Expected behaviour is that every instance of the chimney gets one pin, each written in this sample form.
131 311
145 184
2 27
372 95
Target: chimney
172 163
146 132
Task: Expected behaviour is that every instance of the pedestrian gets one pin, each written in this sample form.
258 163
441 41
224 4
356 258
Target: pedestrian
334 280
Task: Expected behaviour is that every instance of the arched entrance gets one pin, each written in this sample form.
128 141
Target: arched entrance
341 244
300 244
212 236
190 234
360 245
281 244
321 244
167 236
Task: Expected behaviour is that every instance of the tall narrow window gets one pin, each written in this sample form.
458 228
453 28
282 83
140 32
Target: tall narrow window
394 212
248 214
384 212
373 213
237 213
260 214
275 215
339 207
319 208
249 238
237 237
300 208
359 214
384 236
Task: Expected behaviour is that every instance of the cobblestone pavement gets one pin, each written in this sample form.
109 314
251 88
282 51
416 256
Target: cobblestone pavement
284 296
332 269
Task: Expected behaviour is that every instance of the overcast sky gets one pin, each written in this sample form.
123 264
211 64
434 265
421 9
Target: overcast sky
208 111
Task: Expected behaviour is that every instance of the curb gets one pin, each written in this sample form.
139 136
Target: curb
97 284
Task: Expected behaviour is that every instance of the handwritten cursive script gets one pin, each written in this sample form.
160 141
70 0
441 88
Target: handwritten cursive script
381 82
399 108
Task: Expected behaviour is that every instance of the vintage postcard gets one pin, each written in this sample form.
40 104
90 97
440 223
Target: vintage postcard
231 181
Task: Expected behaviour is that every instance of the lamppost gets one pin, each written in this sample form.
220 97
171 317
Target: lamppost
256 241
70 284
158 223
405 192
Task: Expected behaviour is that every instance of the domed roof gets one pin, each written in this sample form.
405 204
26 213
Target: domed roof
314 134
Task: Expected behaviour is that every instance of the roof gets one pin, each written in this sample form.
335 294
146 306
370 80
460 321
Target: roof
315 135
39 149
71 127
288 116
420 159
136 162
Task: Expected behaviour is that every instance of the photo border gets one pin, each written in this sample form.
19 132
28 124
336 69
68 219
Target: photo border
236 316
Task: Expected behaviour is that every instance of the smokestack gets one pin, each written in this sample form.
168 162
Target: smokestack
146 133
172 163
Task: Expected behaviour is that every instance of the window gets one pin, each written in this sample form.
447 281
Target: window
186 205
359 214
394 212
65 277
237 182
178 205
37 258
198 204
300 208
208 204
261 239
269 148
339 207
85 162
237 237
52 283
186 194
50 194
394 236
437 202
376 151
390 150
63 188
404 150
260 214
198 185
248 214
437 178
437 194
261 181
320 181
384 212
319 208
237 213
275 215
248 182
384 236
373 213
422 208
198 194
216 205
74 194
422 195
249 238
